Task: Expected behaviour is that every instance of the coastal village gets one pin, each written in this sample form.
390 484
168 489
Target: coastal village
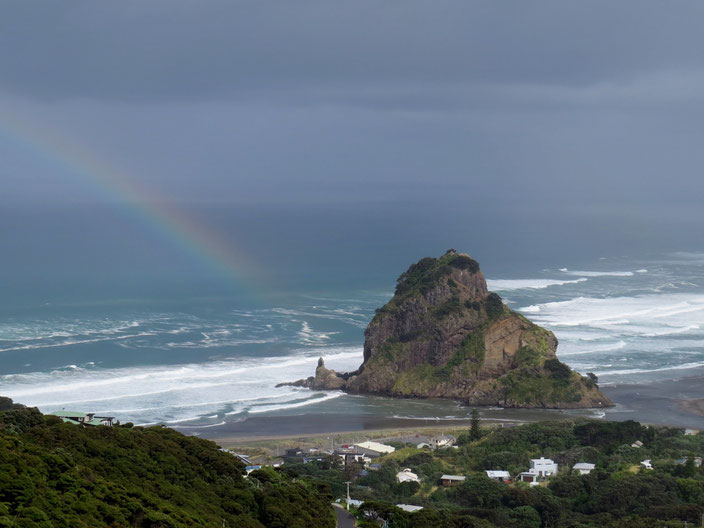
359 461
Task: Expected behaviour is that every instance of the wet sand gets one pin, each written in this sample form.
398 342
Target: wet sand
677 403
672 402
693 406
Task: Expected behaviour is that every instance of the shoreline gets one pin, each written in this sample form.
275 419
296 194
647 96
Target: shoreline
676 403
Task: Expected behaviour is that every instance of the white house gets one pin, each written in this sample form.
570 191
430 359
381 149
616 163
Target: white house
646 464
440 442
637 444
583 468
501 476
529 477
407 476
543 467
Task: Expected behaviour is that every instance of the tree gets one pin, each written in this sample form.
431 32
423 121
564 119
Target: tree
475 432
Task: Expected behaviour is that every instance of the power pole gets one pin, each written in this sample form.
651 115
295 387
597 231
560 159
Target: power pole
348 495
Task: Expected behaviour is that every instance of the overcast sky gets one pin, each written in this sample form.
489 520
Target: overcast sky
594 105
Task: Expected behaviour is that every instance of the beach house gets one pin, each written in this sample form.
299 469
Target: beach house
529 477
349 455
442 441
406 475
81 418
540 468
451 480
375 448
543 467
409 507
583 468
499 475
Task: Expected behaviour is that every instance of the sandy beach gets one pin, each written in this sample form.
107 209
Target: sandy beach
693 406
675 403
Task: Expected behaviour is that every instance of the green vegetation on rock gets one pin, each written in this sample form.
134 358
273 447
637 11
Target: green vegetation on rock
444 335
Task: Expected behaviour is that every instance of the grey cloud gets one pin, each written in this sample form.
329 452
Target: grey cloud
161 50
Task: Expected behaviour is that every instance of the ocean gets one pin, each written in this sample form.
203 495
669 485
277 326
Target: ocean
153 338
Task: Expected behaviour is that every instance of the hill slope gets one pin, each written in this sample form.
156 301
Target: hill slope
443 334
54 474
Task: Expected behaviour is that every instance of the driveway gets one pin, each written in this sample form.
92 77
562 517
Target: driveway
344 519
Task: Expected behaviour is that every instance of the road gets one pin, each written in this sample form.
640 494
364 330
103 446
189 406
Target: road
344 519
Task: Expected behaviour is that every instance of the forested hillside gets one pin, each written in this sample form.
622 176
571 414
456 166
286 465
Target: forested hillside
55 474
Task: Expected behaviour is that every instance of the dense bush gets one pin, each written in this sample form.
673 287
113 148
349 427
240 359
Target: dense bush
616 494
494 305
54 474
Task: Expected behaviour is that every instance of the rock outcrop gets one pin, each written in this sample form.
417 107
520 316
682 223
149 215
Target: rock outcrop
444 335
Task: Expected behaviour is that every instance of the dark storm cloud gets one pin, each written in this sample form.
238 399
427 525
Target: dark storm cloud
193 50
508 104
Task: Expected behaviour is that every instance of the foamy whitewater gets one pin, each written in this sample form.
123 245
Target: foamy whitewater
208 362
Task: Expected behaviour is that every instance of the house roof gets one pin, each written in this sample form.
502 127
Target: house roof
583 465
71 414
541 460
452 477
409 507
498 474
406 474
376 446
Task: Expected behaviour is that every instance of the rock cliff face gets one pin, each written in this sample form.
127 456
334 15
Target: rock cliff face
443 334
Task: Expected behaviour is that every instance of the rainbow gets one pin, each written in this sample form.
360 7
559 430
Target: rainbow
138 203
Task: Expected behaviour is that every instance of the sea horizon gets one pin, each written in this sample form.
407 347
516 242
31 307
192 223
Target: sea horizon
201 352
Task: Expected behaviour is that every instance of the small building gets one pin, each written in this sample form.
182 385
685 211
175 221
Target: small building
407 475
350 456
409 507
249 469
583 468
543 467
81 418
637 444
690 432
443 441
696 460
452 480
381 449
423 445
294 452
529 477
646 464
499 475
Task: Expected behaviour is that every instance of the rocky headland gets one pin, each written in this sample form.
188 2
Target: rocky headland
444 335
